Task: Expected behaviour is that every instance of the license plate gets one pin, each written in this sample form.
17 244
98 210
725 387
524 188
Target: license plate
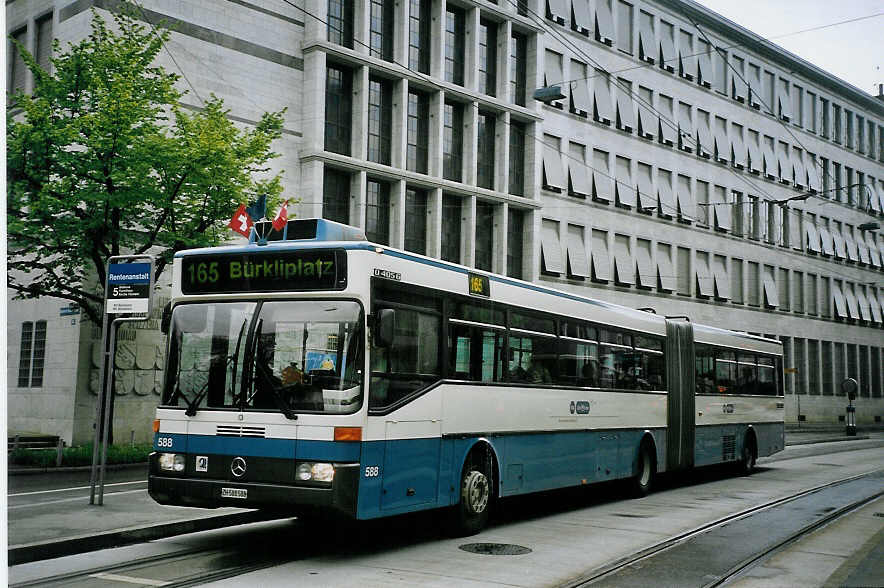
234 493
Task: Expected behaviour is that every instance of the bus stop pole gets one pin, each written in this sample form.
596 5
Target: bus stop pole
108 385
105 366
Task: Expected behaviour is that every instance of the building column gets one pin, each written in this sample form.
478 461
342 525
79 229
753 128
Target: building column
397 214
399 135
359 139
434 222
468 230
357 199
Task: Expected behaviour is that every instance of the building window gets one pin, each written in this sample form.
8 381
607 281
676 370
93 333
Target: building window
836 128
514 242
484 235
416 221
812 123
452 142
338 109
825 127
455 42
848 129
18 71
44 41
487 58
451 228
518 68
624 27
336 196
377 212
380 121
485 151
340 22
419 36
380 34
32 355
418 132
517 158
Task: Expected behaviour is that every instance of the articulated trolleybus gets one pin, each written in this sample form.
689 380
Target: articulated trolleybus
322 374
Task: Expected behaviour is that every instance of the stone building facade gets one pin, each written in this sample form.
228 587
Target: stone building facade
689 166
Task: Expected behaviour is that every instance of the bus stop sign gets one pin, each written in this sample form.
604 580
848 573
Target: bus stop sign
128 287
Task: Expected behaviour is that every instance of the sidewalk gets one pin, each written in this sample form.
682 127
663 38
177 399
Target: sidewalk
69 525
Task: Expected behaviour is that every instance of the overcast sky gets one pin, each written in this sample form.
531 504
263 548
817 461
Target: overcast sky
853 51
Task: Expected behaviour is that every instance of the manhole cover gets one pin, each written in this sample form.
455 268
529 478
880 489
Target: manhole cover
495 549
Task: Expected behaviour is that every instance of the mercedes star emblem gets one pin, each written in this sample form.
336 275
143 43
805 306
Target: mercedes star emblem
238 467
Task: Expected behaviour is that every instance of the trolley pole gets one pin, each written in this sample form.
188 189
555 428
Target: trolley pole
128 292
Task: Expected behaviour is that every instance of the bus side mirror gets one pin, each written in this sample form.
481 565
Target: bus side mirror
166 320
386 320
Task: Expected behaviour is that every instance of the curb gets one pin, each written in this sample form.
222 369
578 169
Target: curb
31 552
828 440
68 469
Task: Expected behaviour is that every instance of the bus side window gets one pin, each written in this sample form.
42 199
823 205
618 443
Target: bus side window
410 363
767 382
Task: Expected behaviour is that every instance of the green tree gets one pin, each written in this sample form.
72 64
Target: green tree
102 160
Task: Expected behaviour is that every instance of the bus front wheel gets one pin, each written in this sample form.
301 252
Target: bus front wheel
475 500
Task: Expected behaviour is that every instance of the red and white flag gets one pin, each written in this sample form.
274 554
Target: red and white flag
282 216
241 221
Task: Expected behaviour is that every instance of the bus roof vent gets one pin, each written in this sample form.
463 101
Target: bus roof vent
307 229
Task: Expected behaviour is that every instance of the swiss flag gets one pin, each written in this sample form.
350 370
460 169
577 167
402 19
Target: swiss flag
281 217
241 221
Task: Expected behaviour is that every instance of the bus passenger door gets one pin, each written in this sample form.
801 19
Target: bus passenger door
680 419
411 463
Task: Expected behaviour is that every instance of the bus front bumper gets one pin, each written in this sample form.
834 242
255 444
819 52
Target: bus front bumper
339 498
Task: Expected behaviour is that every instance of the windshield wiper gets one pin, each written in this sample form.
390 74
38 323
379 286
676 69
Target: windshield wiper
235 358
277 397
192 405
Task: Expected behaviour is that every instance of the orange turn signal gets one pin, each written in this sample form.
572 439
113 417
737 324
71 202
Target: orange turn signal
156 425
348 433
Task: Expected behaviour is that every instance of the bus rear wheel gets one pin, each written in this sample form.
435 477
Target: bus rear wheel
747 461
471 514
640 484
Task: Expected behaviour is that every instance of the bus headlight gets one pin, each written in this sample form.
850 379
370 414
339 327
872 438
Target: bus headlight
315 472
171 462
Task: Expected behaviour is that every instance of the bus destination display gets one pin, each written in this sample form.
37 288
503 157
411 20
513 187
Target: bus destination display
271 271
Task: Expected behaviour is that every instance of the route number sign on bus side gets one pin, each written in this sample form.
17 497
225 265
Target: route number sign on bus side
128 287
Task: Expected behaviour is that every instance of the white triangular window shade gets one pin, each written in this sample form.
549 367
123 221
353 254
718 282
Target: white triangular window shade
785 105
874 200
874 307
580 102
601 263
667 51
550 247
625 116
756 87
850 247
813 172
874 254
557 11
840 302
665 196
647 42
813 237
604 22
770 160
863 249
603 183
578 263
705 142
581 20
838 240
553 73
647 200
722 145
863 303
881 301
625 187
756 163
800 175
739 87
880 191
645 276
685 130
647 122
623 260
771 297
826 241
604 110
705 68
852 306
665 270
740 153
785 166
719 274
553 173
705 287
722 211
688 63
577 175
685 197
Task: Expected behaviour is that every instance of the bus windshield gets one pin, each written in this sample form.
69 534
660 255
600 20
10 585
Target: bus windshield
279 356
